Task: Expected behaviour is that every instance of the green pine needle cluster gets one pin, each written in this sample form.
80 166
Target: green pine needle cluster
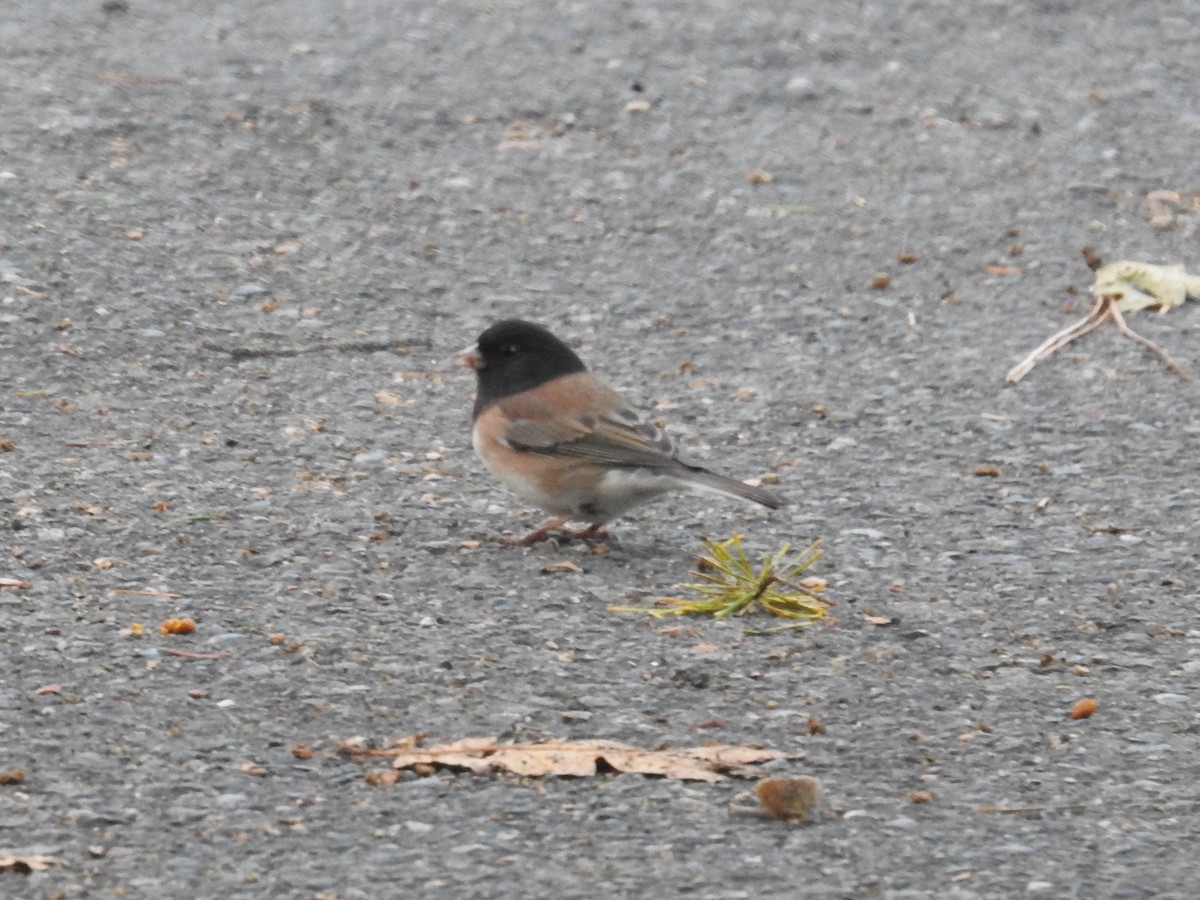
730 584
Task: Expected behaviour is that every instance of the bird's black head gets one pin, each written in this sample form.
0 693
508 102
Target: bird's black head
514 356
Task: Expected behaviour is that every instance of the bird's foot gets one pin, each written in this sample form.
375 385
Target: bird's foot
594 532
539 533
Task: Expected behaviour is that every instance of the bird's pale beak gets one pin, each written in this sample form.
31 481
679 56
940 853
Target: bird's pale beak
470 358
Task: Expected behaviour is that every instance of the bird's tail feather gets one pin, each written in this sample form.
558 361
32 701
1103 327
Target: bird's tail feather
711 481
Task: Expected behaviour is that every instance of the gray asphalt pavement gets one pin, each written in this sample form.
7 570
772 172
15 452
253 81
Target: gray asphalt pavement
239 246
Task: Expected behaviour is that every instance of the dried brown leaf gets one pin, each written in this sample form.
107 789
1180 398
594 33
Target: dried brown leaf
585 758
25 863
381 777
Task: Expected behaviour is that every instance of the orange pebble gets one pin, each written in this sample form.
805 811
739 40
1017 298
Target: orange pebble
178 626
1084 708
788 798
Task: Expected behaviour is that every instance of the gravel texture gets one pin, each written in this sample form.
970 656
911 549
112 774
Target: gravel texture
239 245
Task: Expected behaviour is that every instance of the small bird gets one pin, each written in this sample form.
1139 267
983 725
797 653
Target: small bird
567 443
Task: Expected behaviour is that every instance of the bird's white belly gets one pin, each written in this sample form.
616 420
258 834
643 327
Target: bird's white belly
623 489
618 491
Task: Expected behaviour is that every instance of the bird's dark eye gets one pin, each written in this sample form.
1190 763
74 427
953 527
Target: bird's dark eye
509 350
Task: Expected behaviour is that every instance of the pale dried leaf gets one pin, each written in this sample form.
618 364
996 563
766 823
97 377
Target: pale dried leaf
583 758
25 863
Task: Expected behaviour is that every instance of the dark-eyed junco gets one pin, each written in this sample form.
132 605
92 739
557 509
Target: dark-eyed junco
567 443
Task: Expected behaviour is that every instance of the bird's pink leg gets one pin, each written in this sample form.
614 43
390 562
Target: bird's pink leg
595 531
538 533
